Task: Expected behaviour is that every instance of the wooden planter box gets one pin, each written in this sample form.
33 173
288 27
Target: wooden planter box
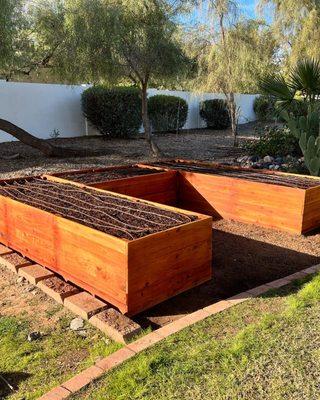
132 275
159 187
270 205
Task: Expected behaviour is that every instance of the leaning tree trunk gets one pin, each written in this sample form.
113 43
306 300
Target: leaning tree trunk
42 145
146 122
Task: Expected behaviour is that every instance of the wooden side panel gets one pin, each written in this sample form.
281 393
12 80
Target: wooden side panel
167 263
311 215
160 188
94 261
31 232
253 202
91 259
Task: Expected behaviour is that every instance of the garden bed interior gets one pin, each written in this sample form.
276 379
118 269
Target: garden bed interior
133 254
267 198
116 231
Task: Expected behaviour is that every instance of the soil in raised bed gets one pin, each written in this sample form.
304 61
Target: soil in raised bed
93 176
271 177
107 213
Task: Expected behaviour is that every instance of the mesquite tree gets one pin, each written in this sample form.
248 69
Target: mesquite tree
21 53
116 41
234 55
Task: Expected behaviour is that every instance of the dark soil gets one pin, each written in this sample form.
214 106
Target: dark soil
58 285
244 256
108 175
117 321
107 213
270 177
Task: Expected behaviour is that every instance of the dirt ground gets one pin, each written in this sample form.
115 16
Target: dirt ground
21 297
201 144
244 256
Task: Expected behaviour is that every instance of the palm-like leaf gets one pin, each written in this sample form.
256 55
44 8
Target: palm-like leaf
276 86
305 78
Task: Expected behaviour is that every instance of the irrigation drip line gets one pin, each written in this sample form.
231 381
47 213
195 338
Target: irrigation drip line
85 209
42 205
56 198
102 195
102 176
294 181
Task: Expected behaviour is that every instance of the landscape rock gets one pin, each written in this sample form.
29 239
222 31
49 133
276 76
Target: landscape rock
34 336
77 324
21 279
268 159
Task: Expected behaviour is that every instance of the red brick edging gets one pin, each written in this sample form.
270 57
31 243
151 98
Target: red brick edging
85 377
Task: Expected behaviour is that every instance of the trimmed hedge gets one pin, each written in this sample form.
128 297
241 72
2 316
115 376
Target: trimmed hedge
167 113
215 113
114 112
264 107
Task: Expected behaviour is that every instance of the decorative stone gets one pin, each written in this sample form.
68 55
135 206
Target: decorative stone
34 336
268 159
77 324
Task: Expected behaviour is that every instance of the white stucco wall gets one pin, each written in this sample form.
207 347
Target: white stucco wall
42 108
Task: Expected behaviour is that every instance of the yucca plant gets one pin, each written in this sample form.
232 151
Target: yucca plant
298 104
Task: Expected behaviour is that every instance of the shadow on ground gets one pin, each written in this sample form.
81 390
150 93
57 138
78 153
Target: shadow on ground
239 263
9 382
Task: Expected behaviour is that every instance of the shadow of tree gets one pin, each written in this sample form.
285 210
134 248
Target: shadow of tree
9 382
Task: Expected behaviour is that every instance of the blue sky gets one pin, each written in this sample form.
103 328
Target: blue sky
248 7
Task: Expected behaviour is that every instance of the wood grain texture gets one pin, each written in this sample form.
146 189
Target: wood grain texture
179 258
242 200
270 205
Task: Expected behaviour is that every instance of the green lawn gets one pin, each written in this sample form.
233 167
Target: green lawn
35 367
267 348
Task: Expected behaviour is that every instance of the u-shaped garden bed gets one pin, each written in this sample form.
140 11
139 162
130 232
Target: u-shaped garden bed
116 231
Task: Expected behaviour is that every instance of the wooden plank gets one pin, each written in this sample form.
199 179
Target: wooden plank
311 215
244 201
169 262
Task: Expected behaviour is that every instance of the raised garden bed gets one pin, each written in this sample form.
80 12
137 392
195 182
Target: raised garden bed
160 187
131 253
267 198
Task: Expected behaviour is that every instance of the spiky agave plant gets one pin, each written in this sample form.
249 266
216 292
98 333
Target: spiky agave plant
298 103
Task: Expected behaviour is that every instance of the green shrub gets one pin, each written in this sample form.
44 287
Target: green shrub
114 112
274 141
264 107
215 113
167 113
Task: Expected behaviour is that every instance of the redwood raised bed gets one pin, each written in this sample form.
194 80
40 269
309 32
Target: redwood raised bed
133 254
143 183
273 199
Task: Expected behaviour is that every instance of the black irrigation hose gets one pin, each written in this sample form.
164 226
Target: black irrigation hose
293 181
48 196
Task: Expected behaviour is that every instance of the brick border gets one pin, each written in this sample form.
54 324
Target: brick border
84 378
121 329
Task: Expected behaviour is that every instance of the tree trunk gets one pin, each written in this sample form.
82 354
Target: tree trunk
42 145
233 117
146 122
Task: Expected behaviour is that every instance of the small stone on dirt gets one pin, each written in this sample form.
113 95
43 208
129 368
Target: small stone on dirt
34 336
76 324
21 279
